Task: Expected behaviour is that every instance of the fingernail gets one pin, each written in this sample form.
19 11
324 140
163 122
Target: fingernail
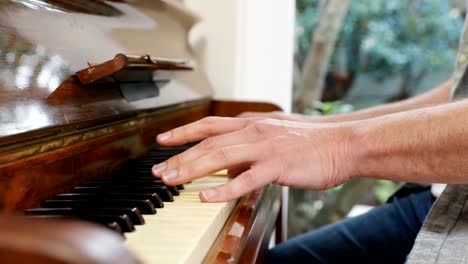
159 168
208 194
170 175
165 136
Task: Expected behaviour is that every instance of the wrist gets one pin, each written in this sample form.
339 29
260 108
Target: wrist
340 148
359 147
321 119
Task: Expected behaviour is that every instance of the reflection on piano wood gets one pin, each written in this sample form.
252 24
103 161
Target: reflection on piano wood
60 137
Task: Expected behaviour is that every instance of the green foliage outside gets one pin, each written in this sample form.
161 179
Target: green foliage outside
379 38
409 38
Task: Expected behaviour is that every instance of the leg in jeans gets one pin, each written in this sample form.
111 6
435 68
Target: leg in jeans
383 235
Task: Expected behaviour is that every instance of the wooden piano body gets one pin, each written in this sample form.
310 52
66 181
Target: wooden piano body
56 133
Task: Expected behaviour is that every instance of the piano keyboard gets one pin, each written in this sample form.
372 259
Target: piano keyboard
183 231
162 224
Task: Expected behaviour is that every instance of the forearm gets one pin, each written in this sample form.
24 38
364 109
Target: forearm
424 145
438 95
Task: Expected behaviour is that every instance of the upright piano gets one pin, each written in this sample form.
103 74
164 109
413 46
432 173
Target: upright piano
85 85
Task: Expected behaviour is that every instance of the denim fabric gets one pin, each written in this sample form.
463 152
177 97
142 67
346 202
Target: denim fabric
383 235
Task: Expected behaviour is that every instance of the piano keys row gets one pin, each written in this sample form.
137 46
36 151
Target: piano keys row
120 200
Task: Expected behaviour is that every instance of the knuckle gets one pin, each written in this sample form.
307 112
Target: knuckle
223 155
184 173
210 120
227 190
209 144
175 161
209 126
248 178
253 120
260 129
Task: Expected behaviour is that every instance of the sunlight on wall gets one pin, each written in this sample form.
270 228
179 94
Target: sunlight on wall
247 48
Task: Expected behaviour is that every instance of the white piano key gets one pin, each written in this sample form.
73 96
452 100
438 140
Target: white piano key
184 230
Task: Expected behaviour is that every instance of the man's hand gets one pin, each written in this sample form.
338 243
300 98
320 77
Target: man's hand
258 151
283 116
439 95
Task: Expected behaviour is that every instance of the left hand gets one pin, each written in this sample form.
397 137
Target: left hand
259 151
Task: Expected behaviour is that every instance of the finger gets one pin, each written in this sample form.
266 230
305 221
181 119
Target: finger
257 177
222 158
244 136
275 114
201 129
248 114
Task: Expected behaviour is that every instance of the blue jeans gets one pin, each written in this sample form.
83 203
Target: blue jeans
385 234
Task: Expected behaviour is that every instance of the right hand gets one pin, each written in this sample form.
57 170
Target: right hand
262 151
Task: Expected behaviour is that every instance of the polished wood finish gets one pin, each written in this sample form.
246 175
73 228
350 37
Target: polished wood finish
39 171
102 70
96 7
130 68
41 49
246 235
33 178
41 168
234 108
57 133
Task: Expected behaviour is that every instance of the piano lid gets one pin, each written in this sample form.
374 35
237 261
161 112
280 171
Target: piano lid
44 42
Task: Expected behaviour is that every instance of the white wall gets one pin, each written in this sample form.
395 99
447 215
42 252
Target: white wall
247 48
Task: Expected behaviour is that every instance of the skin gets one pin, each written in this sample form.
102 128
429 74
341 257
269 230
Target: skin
421 140
436 96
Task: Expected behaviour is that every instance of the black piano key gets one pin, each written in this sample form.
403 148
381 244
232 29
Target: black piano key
133 176
163 153
134 180
145 206
137 170
142 169
153 197
115 227
138 175
162 191
149 177
105 184
123 220
158 202
145 163
151 161
178 148
130 178
133 213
